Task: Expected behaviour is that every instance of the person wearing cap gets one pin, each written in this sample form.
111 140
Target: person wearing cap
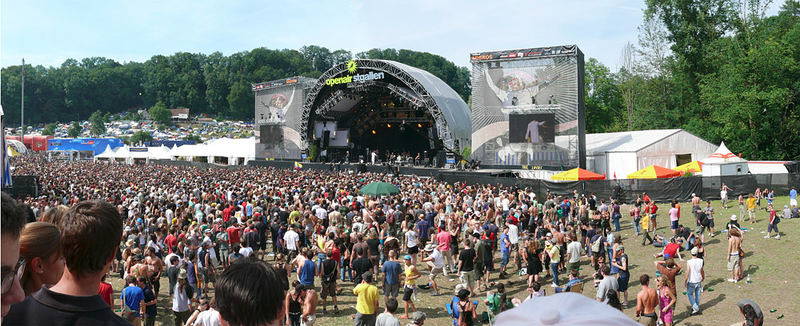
418 319
436 263
367 303
411 275
751 313
732 223
695 274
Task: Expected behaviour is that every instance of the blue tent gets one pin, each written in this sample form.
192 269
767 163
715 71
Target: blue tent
95 145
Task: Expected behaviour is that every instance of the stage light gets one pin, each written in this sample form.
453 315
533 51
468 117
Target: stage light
373 131
388 125
419 125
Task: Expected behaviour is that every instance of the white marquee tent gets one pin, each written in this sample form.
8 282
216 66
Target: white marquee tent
622 153
226 151
724 162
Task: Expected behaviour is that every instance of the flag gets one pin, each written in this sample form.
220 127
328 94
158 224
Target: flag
615 174
298 166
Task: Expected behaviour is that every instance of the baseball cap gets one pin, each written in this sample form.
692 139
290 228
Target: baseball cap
620 247
694 251
733 217
418 317
407 257
564 309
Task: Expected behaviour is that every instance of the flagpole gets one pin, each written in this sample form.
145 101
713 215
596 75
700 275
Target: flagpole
22 106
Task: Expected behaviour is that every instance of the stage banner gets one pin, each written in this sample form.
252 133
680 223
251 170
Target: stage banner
278 106
528 109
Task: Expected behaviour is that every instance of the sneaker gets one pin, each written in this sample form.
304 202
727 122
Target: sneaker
730 280
553 285
778 237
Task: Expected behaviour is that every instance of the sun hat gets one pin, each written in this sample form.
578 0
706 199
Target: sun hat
733 217
182 275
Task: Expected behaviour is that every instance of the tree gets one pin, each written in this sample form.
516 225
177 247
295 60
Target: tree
603 97
160 114
75 130
140 137
98 126
49 130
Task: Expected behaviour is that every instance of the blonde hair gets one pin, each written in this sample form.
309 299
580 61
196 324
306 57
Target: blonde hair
38 239
53 215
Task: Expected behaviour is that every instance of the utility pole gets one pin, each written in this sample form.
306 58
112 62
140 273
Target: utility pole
22 106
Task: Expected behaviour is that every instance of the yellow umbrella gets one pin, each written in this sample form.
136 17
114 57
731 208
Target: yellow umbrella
654 172
577 174
693 167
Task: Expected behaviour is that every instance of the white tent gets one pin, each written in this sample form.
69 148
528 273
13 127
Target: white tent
107 154
622 153
724 162
722 155
228 151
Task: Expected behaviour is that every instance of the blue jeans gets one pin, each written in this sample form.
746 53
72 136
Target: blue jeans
616 222
504 258
554 270
693 292
636 226
689 243
345 269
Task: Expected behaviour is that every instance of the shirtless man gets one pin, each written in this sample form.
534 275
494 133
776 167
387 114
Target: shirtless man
141 268
695 205
309 308
646 302
734 255
157 266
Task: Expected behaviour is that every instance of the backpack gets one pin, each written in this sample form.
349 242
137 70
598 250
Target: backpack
596 244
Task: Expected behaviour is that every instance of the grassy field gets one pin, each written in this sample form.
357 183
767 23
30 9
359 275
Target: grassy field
771 264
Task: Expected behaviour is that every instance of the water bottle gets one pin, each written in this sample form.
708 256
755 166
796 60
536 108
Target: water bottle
748 278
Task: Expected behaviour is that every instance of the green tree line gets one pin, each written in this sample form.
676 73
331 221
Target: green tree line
723 70
213 84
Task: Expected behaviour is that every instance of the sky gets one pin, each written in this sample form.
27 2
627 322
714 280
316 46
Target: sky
49 32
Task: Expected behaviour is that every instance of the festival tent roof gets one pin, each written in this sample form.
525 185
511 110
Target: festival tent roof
577 174
767 167
693 167
108 153
654 172
223 147
722 155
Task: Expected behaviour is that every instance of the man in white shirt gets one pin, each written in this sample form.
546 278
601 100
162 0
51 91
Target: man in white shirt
435 263
573 252
695 274
245 250
290 240
513 237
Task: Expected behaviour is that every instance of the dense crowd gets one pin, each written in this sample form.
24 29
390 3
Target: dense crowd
231 230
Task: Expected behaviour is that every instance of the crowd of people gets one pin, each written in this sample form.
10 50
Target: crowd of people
225 239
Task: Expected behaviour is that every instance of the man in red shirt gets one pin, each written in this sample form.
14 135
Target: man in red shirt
226 214
233 235
443 239
106 291
171 240
671 249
